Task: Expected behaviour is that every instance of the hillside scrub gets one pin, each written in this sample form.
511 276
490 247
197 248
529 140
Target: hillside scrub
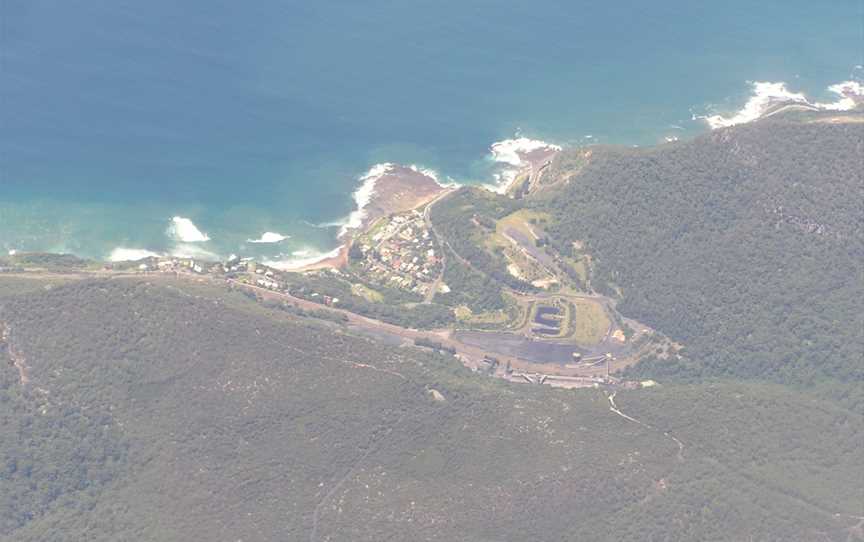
745 245
159 410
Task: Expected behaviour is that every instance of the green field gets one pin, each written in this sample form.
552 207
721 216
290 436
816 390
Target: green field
589 321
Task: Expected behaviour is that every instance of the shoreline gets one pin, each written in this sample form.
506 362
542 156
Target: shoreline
341 259
387 189
518 162
390 189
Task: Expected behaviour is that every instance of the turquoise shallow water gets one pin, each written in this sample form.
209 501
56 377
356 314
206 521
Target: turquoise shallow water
118 115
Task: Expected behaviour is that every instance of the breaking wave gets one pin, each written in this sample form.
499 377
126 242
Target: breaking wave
269 237
123 254
363 196
512 155
512 151
303 258
184 230
188 250
766 95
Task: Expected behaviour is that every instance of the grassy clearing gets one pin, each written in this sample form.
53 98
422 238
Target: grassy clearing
376 227
589 323
578 265
466 316
527 268
521 221
370 295
498 242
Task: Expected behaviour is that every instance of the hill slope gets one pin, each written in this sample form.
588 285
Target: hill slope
745 244
169 410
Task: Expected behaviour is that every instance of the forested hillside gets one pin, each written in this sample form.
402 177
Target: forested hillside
745 245
172 410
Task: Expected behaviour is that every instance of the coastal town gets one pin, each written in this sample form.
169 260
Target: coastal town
390 271
401 252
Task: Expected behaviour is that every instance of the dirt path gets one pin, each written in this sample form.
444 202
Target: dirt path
614 408
374 446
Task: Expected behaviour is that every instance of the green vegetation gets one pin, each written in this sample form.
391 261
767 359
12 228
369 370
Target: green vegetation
466 219
496 318
386 304
588 320
158 408
470 288
745 245
522 220
367 293
169 410
18 285
46 261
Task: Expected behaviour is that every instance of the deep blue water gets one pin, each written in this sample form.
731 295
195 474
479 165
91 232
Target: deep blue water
260 116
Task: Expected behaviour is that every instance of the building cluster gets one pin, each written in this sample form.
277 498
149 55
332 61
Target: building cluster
247 271
240 270
402 254
172 265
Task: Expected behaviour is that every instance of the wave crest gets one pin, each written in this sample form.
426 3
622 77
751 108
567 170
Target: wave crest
184 230
513 151
124 254
363 196
766 95
269 237
516 155
303 258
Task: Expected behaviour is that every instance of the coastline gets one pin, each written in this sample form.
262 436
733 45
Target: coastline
387 189
515 165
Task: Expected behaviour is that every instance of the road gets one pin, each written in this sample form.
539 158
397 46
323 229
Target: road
614 408
470 355
430 295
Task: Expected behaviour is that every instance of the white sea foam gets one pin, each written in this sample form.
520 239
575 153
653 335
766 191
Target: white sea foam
269 237
123 254
189 250
503 181
849 92
303 258
435 176
332 224
766 95
12 252
363 196
365 192
510 154
509 150
184 230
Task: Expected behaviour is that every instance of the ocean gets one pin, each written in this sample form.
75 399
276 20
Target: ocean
211 128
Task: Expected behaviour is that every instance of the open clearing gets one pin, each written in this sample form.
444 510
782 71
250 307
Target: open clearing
590 323
373 296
